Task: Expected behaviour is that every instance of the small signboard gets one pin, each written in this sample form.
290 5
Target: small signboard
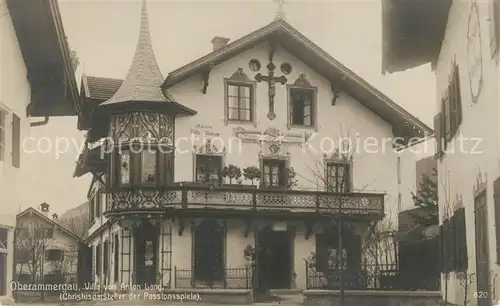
280 226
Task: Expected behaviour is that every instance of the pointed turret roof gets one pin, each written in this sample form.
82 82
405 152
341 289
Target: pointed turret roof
144 77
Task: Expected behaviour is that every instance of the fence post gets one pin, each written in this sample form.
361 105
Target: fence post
307 276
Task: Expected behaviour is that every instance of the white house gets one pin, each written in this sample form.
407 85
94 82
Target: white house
45 247
37 80
179 217
461 39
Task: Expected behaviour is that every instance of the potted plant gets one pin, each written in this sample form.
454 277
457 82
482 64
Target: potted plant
232 172
249 255
291 176
252 173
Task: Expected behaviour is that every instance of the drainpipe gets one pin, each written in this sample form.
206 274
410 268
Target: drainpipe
39 123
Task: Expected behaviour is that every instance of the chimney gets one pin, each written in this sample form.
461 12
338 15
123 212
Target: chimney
54 217
44 209
219 42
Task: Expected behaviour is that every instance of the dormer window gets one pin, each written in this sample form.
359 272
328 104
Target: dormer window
239 100
302 105
240 104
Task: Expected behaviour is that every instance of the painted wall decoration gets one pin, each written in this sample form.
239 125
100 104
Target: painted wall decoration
474 52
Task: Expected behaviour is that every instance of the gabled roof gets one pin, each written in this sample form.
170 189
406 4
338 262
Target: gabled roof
412 32
40 33
144 78
312 55
32 211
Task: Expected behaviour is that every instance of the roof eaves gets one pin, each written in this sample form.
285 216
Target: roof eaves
212 57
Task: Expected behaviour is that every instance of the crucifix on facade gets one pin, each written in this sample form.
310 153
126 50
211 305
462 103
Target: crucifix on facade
271 80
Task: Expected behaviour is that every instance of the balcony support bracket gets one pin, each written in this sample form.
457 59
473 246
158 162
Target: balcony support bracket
248 227
181 226
309 227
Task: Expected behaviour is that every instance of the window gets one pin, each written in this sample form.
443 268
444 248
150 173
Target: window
337 177
273 173
302 103
3 125
454 243
239 102
124 168
148 166
97 201
91 210
16 141
48 233
54 255
208 168
106 257
98 260
3 239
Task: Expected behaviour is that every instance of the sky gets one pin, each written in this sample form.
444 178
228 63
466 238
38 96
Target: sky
104 35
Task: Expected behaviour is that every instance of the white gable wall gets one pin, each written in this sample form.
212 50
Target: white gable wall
372 171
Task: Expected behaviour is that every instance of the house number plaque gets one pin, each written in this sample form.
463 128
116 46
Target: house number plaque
474 52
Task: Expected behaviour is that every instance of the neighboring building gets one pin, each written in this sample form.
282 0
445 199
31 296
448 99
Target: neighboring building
461 39
174 219
37 80
409 170
45 247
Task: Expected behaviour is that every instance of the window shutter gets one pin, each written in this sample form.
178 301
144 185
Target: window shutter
494 15
437 134
452 103
496 198
16 141
458 95
464 258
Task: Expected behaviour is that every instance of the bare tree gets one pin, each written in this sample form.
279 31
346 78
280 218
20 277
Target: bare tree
466 280
340 185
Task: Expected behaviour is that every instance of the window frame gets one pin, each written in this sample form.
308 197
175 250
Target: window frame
162 176
252 106
208 156
283 165
16 141
347 171
3 132
314 107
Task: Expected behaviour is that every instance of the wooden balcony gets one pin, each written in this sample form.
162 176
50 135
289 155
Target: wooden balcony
238 200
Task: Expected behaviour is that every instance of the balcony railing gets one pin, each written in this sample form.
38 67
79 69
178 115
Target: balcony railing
250 199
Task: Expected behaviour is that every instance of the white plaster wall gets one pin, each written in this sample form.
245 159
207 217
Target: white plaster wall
347 118
458 170
14 97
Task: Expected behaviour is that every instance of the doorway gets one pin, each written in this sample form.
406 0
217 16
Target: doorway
482 250
208 249
146 249
274 260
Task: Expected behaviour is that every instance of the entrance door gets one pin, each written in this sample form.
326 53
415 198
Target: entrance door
208 257
482 251
146 249
274 259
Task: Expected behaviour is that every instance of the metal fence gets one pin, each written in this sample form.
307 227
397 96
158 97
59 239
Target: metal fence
229 278
369 277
